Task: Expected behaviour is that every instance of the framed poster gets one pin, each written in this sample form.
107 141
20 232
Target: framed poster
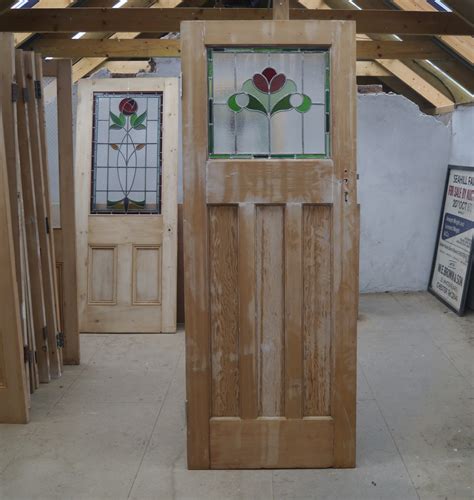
454 252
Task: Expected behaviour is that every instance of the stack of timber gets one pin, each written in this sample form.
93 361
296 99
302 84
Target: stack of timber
34 266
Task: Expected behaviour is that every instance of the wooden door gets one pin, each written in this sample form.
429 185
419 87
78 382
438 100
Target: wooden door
13 384
270 235
126 204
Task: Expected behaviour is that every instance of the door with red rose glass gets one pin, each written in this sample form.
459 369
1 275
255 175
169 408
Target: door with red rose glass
126 178
270 221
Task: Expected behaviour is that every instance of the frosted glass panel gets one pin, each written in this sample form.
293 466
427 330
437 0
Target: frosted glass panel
268 102
252 134
314 129
126 160
314 76
224 77
287 133
224 129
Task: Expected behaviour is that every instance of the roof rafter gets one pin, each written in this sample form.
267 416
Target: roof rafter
5 5
463 8
463 45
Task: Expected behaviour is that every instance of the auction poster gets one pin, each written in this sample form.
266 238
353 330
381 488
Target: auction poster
453 256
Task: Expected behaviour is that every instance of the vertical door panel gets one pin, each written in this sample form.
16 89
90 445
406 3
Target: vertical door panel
224 309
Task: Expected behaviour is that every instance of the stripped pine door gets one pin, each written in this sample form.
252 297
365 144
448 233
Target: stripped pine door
270 232
126 206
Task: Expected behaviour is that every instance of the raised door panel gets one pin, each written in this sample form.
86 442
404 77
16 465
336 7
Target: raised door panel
146 270
102 278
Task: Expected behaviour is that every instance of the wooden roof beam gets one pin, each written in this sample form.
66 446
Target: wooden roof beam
156 47
166 20
42 4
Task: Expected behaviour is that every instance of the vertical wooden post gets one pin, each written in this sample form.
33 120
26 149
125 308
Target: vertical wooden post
71 352
13 388
281 10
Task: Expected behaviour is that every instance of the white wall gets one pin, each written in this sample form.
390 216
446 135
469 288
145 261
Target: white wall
462 147
402 159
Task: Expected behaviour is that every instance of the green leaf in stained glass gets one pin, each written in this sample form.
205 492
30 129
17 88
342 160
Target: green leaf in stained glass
255 105
138 120
286 90
132 119
118 120
305 105
282 105
232 103
115 127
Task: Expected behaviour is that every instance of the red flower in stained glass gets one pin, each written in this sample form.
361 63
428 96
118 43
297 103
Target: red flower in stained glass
269 81
128 106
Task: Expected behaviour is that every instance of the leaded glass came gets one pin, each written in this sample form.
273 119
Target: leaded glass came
126 147
268 103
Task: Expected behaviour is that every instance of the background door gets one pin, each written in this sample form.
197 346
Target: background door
270 231
127 150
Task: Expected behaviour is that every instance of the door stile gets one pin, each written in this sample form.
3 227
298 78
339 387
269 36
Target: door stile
169 208
293 310
83 192
247 320
195 227
343 99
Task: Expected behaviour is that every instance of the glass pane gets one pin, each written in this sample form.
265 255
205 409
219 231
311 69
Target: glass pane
268 101
224 129
315 129
252 134
223 77
126 167
314 79
287 133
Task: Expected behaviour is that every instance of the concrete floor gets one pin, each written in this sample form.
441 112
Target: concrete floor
114 427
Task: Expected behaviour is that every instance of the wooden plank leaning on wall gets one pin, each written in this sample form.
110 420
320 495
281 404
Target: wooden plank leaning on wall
9 96
31 218
65 236
42 203
13 386
44 164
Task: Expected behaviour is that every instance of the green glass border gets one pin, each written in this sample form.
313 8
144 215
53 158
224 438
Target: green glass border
233 50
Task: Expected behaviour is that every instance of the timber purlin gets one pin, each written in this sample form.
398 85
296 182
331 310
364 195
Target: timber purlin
169 19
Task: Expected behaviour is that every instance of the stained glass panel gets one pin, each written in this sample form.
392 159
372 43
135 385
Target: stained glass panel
268 102
126 153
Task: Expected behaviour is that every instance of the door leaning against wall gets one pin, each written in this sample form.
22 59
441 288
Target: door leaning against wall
126 204
270 210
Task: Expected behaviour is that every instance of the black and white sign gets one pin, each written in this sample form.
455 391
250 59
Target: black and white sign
454 253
